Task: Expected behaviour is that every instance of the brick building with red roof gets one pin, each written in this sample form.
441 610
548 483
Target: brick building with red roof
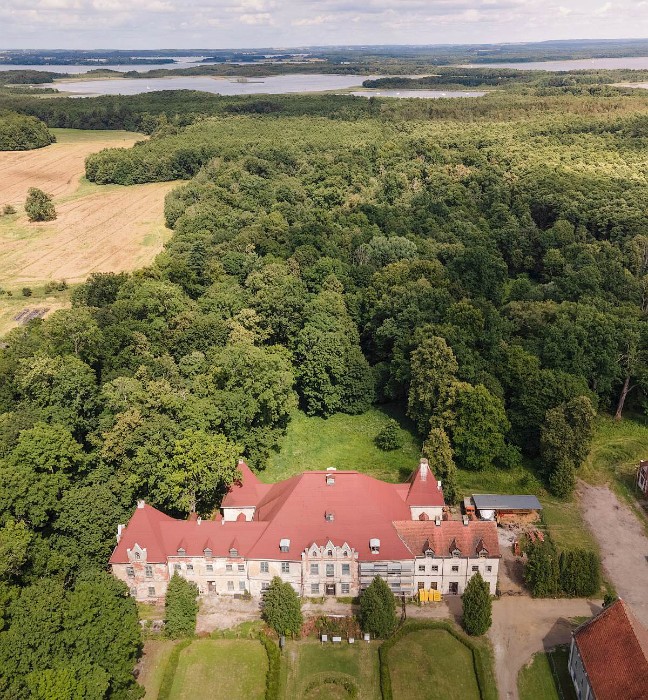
325 532
608 659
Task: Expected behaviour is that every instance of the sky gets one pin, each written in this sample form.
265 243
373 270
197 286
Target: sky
153 24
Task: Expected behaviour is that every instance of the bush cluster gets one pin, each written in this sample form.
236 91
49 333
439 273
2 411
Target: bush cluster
548 573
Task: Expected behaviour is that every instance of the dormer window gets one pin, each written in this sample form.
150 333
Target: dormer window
208 553
456 553
330 480
482 553
181 551
138 556
330 517
233 552
429 552
454 549
329 552
284 545
374 545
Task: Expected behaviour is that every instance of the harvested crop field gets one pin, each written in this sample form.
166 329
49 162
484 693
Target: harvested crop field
97 229
58 168
102 231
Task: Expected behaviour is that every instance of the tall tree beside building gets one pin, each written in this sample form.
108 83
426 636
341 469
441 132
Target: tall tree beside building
378 609
541 573
438 451
477 606
181 608
282 608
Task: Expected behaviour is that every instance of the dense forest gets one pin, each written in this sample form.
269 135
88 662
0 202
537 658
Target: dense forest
19 132
482 263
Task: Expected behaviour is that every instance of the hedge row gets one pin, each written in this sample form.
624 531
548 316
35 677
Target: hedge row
481 660
274 667
170 670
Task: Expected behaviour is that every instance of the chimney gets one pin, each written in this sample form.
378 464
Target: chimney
439 485
466 520
120 529
424 467
141 503
198 520
437 521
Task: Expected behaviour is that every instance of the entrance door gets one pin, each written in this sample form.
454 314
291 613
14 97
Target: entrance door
330 589
211 586
454 587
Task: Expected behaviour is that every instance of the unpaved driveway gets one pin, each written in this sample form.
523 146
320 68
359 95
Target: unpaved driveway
523 626
623 542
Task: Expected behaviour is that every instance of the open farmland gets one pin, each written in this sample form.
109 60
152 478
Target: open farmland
97 229
111 230
58 168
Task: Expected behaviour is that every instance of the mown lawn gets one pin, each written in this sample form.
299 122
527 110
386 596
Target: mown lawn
222 669
432 660
154 661
547 677
345 442
308 663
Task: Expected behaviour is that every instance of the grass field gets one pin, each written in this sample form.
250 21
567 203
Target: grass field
221 669
345 442
10 306
616 450
309 663
154 661
432 659
547 677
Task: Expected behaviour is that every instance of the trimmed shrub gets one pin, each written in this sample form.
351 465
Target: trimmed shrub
274 667
181 608
170 670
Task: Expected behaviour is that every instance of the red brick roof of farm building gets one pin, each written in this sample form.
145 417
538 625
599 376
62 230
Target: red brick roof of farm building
614 649
360 508
469 539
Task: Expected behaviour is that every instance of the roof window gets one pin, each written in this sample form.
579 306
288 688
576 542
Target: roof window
374 545
284 545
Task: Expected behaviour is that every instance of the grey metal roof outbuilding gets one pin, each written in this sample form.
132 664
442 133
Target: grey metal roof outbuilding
494 501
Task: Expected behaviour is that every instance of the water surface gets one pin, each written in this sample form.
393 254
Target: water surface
273 85
630 62
182 62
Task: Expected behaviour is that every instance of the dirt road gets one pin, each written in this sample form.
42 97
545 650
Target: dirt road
623 542
523 626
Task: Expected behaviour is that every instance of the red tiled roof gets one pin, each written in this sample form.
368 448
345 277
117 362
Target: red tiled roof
614 649
144 529
294 509
363 508
424 489
247 491
419 535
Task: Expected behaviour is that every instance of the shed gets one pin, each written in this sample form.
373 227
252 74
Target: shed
504 508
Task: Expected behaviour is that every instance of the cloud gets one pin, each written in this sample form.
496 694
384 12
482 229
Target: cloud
249 23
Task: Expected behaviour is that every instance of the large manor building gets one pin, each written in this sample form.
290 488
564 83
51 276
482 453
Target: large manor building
325 532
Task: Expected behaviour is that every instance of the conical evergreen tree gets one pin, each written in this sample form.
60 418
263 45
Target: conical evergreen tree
477 606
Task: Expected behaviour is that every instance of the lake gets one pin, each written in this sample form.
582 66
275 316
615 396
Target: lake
273 85
183 62
632 63
420 94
